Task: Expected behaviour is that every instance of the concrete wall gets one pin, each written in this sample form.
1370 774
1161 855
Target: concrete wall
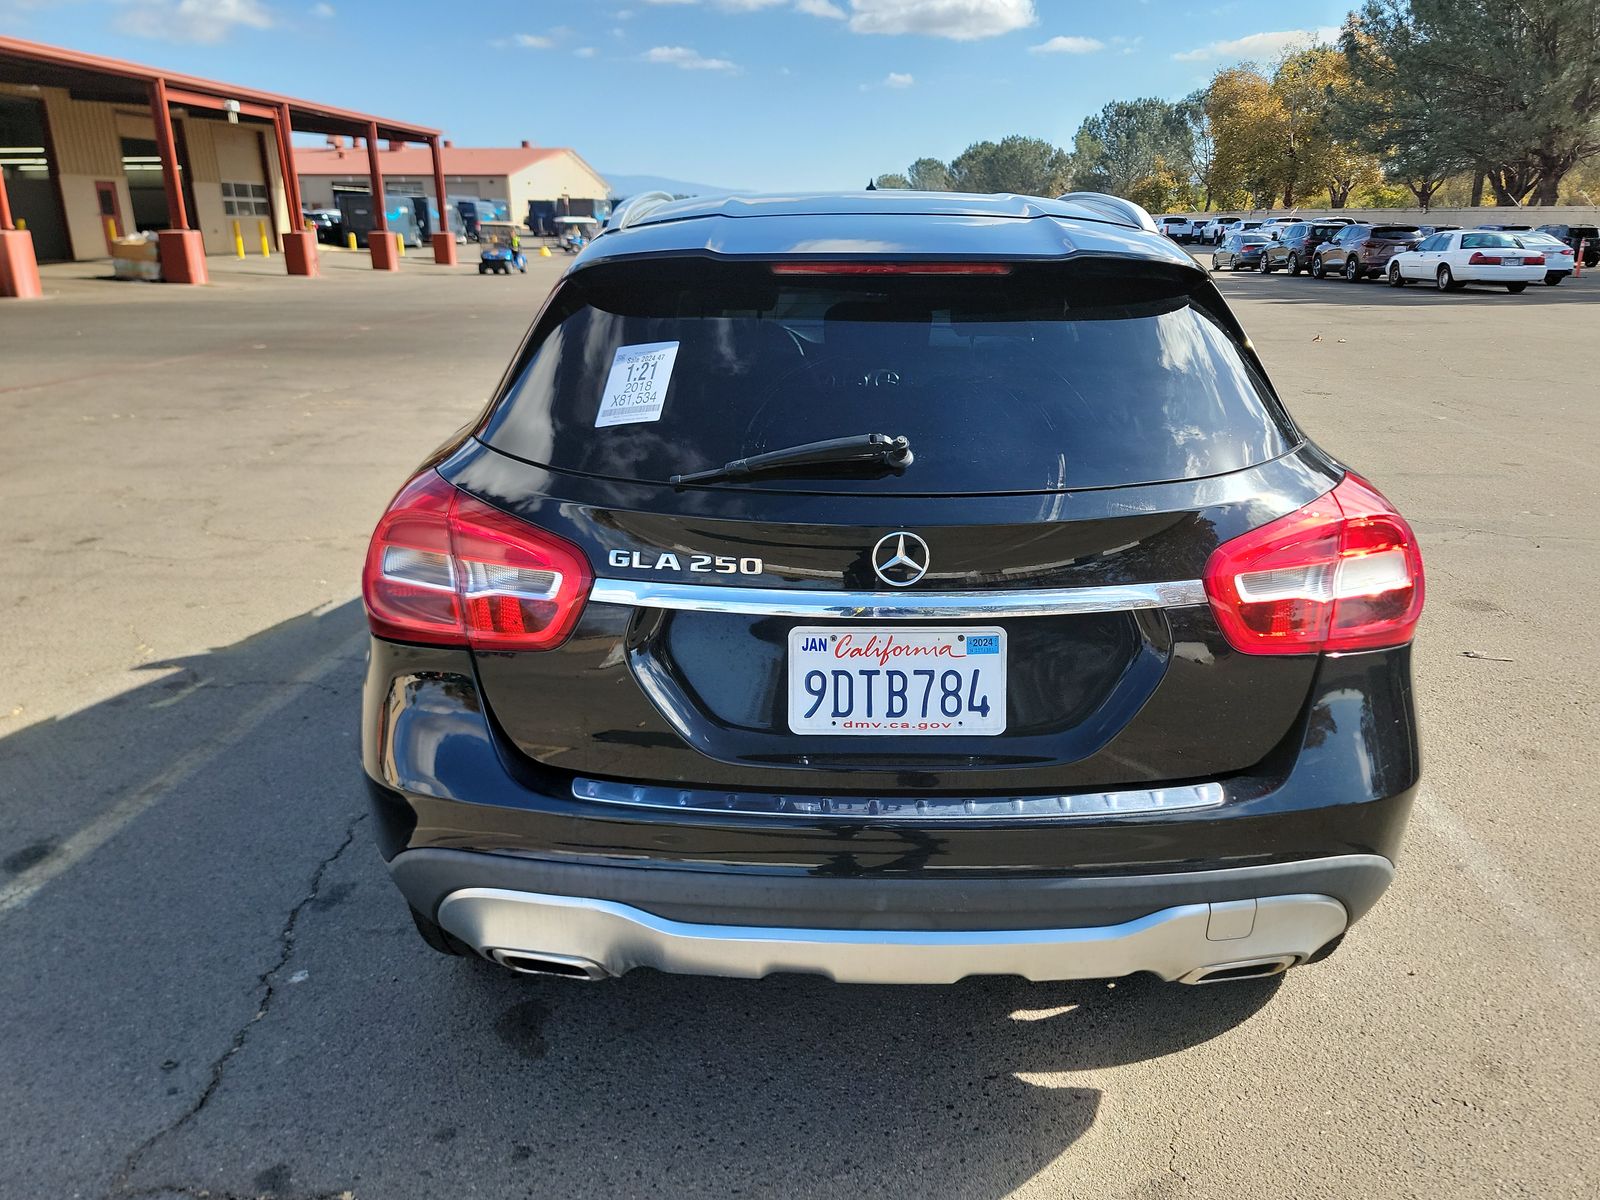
1560 214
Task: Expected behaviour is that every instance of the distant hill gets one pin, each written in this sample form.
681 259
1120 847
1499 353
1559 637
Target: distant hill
623 186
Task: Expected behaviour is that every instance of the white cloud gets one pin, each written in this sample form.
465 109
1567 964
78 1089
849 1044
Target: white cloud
897 80
532 41
585 51
204 21
325 12
959 20
820 8
686 59
1068 45
1260 46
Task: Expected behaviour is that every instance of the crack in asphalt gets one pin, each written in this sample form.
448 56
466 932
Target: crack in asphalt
266 981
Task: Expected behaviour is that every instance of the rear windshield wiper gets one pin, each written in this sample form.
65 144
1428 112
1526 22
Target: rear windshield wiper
862 450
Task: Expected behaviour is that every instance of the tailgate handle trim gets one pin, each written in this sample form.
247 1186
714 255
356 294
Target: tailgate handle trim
901 606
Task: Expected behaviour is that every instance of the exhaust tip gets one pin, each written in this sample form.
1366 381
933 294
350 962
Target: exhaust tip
1249 968
561 965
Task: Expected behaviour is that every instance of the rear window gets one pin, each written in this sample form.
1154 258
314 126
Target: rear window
1395 233
1326 231
1583 231
1486 241
1041 380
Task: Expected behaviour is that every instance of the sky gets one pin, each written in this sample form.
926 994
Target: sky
766 95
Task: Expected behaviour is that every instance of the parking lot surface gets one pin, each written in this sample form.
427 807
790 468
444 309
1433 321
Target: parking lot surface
211 989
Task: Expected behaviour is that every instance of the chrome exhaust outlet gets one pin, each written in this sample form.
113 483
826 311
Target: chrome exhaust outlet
1245 968
561 965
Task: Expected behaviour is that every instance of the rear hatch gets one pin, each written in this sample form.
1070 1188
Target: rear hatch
1014 612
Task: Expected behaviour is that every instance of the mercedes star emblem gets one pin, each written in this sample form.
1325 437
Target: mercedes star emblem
900 558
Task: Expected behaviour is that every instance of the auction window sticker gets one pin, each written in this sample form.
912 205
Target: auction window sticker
636 389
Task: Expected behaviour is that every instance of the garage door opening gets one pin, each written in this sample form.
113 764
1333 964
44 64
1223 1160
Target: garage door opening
30 177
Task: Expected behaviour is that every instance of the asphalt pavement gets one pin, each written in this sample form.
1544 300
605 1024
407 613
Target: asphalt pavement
210 988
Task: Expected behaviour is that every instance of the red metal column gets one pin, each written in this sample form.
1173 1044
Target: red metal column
19 268
385 257
299 244
444 240
183 250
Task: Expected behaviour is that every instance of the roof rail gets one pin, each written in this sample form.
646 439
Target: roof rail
634 207
1114 208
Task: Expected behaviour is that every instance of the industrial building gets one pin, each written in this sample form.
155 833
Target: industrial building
93 149
538 183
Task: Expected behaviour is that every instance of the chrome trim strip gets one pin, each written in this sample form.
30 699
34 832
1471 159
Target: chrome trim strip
883 606
1174 943
902 808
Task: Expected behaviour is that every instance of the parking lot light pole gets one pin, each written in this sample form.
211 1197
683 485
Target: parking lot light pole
444 241
300 243
385 257
183 250
19 268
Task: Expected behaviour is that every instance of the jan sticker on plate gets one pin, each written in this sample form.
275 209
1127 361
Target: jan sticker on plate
637 386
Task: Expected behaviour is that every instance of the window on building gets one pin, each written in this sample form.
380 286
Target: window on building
245 200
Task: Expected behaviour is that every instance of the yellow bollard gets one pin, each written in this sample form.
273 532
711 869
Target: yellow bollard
238 242
266 246
22 224
400 245
351 238
111 229
544 251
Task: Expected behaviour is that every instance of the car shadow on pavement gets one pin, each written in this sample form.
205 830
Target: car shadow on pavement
280 1030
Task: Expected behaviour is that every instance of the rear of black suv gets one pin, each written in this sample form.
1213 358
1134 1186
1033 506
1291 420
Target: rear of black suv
897 589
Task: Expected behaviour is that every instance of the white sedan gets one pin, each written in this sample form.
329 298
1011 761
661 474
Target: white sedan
1558 256
1461 256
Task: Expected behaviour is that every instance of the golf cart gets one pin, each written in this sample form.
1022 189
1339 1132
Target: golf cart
501 243
574 233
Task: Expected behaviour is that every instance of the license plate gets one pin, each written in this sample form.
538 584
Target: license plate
919 682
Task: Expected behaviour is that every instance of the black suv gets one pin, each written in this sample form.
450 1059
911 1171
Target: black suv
1295 244
1584 239
892 587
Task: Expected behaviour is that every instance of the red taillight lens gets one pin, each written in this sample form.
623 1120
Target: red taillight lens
1480 259
1342 573
891 268
1533 260
449 570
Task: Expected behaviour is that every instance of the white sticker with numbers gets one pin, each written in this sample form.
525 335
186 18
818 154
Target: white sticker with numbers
637 386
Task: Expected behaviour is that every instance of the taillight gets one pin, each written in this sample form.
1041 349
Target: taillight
891 268
1480 259
447 569
1342 573
1533 260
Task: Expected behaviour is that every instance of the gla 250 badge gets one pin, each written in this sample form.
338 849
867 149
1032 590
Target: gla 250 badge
705 564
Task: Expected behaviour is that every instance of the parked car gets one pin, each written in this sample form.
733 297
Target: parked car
1178 229
327 223
1454 259
1560 259
1358 252
1574 235
678 662
1217 228
1425 230
1240 250
1248 226
1507 228
1294 245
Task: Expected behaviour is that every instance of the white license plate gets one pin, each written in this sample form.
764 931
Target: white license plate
898 681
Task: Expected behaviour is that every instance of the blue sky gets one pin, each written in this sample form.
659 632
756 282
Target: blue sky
762 94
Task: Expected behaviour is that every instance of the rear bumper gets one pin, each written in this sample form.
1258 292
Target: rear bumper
551 917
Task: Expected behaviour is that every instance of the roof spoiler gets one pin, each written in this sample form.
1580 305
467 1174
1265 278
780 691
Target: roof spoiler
635 207
1114 209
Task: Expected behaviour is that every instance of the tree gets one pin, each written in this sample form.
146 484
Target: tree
1124 146
1029 166
1202 159
892 181
1509 86
1244 119
929 175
